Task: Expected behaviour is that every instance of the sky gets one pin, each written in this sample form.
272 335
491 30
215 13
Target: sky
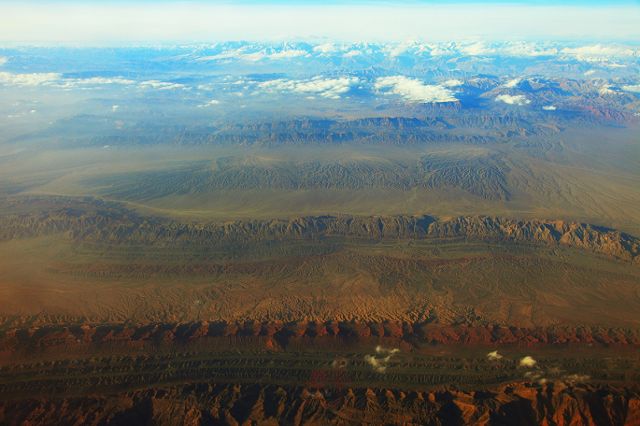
145 21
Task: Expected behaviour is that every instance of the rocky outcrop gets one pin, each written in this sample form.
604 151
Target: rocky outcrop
94 220
233 404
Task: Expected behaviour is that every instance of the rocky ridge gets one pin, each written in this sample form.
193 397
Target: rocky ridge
233 404
109 222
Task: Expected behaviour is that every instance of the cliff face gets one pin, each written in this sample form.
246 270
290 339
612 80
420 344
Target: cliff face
107 222
210 403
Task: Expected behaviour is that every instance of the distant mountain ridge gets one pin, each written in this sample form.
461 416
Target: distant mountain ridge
109 222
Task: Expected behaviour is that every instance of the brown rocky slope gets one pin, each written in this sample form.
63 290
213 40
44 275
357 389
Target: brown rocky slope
210 403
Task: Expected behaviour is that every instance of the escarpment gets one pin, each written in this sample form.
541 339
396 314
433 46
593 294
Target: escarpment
110 222
282 334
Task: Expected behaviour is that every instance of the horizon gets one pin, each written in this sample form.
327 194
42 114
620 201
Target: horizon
68 23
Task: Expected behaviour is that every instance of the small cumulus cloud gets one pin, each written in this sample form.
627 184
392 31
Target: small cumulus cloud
613 65
397 49
3 60
325 48
527 362
519 100
212 102
414 90
381 359
536 376
576 378
549 108
286 54
527 49
96 81
608 90
494 356
375 363
352 54
32 79
477 49
635 88
512 83
160 85
453 83
339 363
331 88
115 108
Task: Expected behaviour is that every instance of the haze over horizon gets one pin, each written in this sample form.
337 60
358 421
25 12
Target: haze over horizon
102 23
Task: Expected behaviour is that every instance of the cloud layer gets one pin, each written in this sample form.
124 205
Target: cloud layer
58 80
331 88
244 54
32 79
519 100
635 88
414 90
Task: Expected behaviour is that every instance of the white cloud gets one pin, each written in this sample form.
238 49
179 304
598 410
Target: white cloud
414 90
512 83
477 49
494 356
243 55
397 49
212 102
453 83
589 72
379 362
527 49
56 80
352 53
549 108
519 100
34 79
482 48
528 362
159 85
331 88
68 83
375 363
613 65
576 378
440 49
227 54
325 48
635 88
286 54
3 60
608 89
115 108
599 52
101 80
